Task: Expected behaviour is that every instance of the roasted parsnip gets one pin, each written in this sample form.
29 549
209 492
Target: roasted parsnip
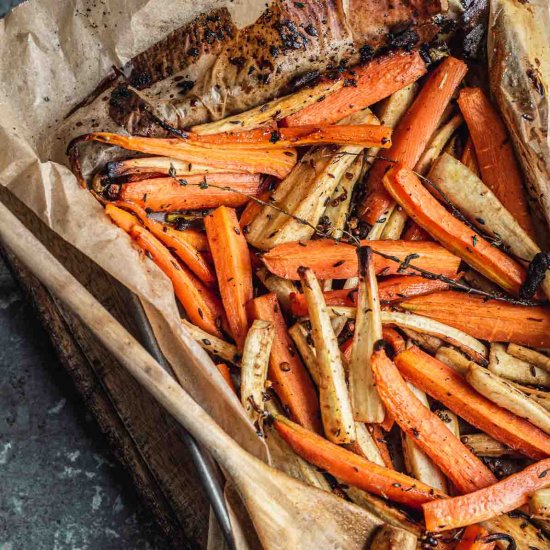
530 356
484 445
212 344
509 367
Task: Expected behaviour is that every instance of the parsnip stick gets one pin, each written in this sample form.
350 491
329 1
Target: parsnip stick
283 288
541 397
505 395
160 165
365 446
366 404
254 364
425 341
539 504
338 324
530 356
454 359
484 445
299 335
334 398
417 463
516 370
394 225
212 344
450 419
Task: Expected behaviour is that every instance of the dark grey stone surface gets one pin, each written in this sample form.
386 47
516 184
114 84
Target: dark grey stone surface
60 488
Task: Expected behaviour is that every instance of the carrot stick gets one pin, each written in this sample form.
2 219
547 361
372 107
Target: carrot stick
392 289
233 269
252 209
277 162
379 438
291 381
492 320
333 260
497 162
226 373
413 133
366 85
472 537
394 339
444 384
428 431
353 469
165 194
405 187
484 504
202 307
469 158
414 232
175 241
365 135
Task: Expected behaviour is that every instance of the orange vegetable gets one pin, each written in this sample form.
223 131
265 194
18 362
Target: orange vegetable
484 504
365 135
379 438
428 431
469 158
405 187
175 240
413 133
367 84
392 289
471 539
277 162
234 272
164 194
444 384
287 373
414 232
495 154
226 373
202 307
491 320
252 209
334 260
353 469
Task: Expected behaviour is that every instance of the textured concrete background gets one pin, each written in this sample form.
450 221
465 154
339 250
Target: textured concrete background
59 487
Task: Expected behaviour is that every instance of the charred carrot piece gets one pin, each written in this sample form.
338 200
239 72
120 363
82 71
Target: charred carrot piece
202 307
469 158
353 469
364 135
444 384
414 232
472 539
363 86
484 504
491 320
290 379
175 241
392 289
497 162
333 260
233 269
226 373
394 339
192 192
413 133
407 190
429 432
277 162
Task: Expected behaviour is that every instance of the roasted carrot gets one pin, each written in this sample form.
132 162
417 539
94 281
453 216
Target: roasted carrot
407 190
233 269
202 307
290 379
354 469
472 539
504 496
175 241
379 437
252 209
365 135
392 289
469 158
444 384
277 162
413 133
429 432
414 232
164 194
491 320
333 260
363 86
493 147
226 373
